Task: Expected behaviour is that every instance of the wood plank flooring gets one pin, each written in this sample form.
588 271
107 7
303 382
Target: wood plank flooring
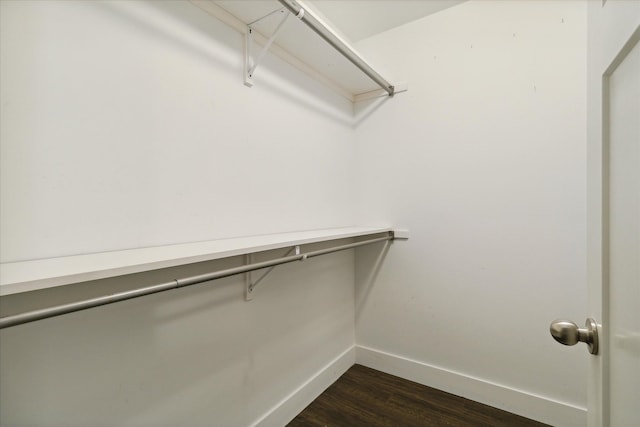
369 398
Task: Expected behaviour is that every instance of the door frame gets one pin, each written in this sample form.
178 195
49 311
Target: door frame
606 146
598 130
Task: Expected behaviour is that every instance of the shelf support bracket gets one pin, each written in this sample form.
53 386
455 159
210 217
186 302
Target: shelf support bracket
249 64
249 284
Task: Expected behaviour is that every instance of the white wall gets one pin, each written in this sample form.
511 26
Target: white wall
123 126
198 356
126 124
483 159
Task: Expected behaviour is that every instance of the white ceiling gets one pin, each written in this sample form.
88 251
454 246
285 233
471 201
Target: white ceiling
359 19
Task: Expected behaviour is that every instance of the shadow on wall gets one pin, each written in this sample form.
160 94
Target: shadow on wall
195 31
364 109
191 31
369 260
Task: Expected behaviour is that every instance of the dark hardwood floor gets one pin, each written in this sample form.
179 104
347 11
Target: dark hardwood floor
369 398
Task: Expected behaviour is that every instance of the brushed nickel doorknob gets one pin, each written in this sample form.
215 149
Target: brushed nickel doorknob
568 333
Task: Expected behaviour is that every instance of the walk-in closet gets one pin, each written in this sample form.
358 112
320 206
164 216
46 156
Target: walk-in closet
230 212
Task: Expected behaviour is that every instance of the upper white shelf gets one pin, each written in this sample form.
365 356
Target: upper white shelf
28 276
297 44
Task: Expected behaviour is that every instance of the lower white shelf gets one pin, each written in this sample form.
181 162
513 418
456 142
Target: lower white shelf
17 277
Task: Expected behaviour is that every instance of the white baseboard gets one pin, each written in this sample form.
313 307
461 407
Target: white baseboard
286 410
516 401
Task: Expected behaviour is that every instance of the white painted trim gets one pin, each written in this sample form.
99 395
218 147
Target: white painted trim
287 409
519 402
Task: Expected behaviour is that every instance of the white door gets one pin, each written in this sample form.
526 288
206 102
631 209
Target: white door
622 201
614 211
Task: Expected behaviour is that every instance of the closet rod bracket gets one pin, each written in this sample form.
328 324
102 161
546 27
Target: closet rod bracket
250 64
249 284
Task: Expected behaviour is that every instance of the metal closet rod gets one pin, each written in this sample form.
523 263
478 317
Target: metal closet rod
338 44
45 313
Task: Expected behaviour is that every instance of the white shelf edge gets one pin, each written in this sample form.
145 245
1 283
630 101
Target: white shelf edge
25 276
